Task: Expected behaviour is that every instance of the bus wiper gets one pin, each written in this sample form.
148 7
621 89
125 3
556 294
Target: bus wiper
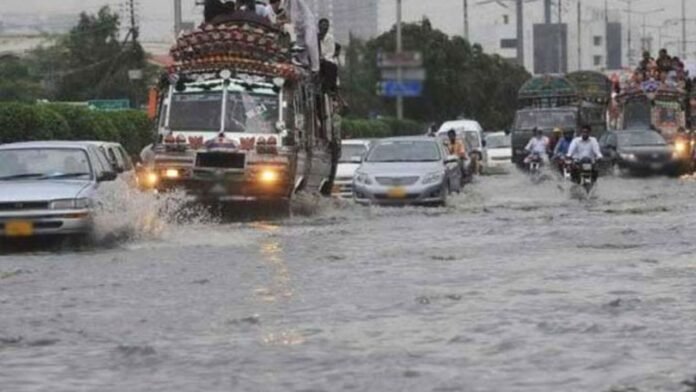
21 176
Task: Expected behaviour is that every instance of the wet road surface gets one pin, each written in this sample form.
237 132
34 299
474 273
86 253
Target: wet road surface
511 288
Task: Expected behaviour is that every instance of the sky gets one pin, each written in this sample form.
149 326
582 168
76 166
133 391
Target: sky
156 15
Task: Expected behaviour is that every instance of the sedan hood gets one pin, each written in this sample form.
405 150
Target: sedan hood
642 150
398 169
500 152
31 191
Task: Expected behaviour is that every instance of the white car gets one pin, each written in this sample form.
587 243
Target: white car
352 153
498 152
49 188
471 133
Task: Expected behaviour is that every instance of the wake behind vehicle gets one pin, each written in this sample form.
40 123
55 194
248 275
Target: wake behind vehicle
239 121
352 154
49 188
409 170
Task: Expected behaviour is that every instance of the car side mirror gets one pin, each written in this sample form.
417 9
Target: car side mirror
107 177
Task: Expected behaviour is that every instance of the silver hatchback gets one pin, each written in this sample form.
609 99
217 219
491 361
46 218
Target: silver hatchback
49 187
410 170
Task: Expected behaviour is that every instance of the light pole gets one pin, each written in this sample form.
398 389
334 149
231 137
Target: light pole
399 71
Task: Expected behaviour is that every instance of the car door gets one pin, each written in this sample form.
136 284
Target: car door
128 172
608 145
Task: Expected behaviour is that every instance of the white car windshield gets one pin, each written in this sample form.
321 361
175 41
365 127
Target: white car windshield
44 163
352 152
405 151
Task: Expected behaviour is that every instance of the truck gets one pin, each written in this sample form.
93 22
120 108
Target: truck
237 120
568 101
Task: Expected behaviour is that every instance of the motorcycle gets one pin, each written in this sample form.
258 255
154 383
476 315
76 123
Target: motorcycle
534 164
586 174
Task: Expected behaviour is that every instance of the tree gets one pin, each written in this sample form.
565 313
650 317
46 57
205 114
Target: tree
16 80
91 62
462 80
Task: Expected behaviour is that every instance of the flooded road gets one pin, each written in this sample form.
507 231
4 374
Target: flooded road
512 288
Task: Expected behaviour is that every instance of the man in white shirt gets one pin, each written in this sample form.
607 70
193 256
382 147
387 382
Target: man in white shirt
537 147
328 43
584 147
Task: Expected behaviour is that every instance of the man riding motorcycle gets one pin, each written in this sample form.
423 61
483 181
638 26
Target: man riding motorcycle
561 150
537 147
584 149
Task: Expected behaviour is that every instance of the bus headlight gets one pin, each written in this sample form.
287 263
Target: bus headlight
269 176
171 174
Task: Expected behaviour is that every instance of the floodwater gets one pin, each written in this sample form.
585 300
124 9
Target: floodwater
513 287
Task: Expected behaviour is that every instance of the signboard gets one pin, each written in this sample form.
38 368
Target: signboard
109 104
403 59
406 74
407 88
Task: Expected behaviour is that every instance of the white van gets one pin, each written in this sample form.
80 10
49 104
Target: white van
471 133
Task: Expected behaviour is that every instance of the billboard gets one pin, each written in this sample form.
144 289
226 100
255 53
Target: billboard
550 48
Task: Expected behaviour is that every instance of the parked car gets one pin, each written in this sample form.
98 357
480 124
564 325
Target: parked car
117 157
352 153
498 152
471 133
49 187
637 152
407 170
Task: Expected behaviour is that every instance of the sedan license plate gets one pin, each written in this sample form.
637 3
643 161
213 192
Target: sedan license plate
655 166
586 166
397 193
19 229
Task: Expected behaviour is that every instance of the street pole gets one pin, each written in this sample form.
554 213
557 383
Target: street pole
683 48
560 11
606 32
520 33
630 50
466 19
547 11
177 17
579 35
399 70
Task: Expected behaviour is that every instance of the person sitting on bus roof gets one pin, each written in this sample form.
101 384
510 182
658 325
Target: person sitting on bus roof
645 64
215 8
664 62
300 24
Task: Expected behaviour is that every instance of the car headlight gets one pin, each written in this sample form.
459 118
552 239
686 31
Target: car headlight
363 178
679 148
433 178
70 204
628 157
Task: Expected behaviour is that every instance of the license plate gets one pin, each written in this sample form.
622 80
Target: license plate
656 166
397 193
586 166
19 229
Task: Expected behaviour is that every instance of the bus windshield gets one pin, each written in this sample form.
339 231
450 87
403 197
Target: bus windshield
546 119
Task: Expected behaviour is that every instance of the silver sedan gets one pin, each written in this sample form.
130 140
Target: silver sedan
411 170
49 187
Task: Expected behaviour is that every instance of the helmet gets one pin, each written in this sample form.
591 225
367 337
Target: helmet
557 131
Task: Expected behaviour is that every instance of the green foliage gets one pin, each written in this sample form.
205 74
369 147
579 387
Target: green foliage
23 122
461 79
16 81
90 62
356 128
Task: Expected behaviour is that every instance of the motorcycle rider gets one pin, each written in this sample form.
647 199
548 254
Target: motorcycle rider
561 150
537 147
584 149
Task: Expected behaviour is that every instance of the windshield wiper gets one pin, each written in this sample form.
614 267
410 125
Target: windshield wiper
63 175
21 176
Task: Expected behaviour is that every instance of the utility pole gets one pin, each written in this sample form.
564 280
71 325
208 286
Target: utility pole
560 11
547 11
579 35
177 17
466 19
399 70
683 48
134 30
606 33
520 32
